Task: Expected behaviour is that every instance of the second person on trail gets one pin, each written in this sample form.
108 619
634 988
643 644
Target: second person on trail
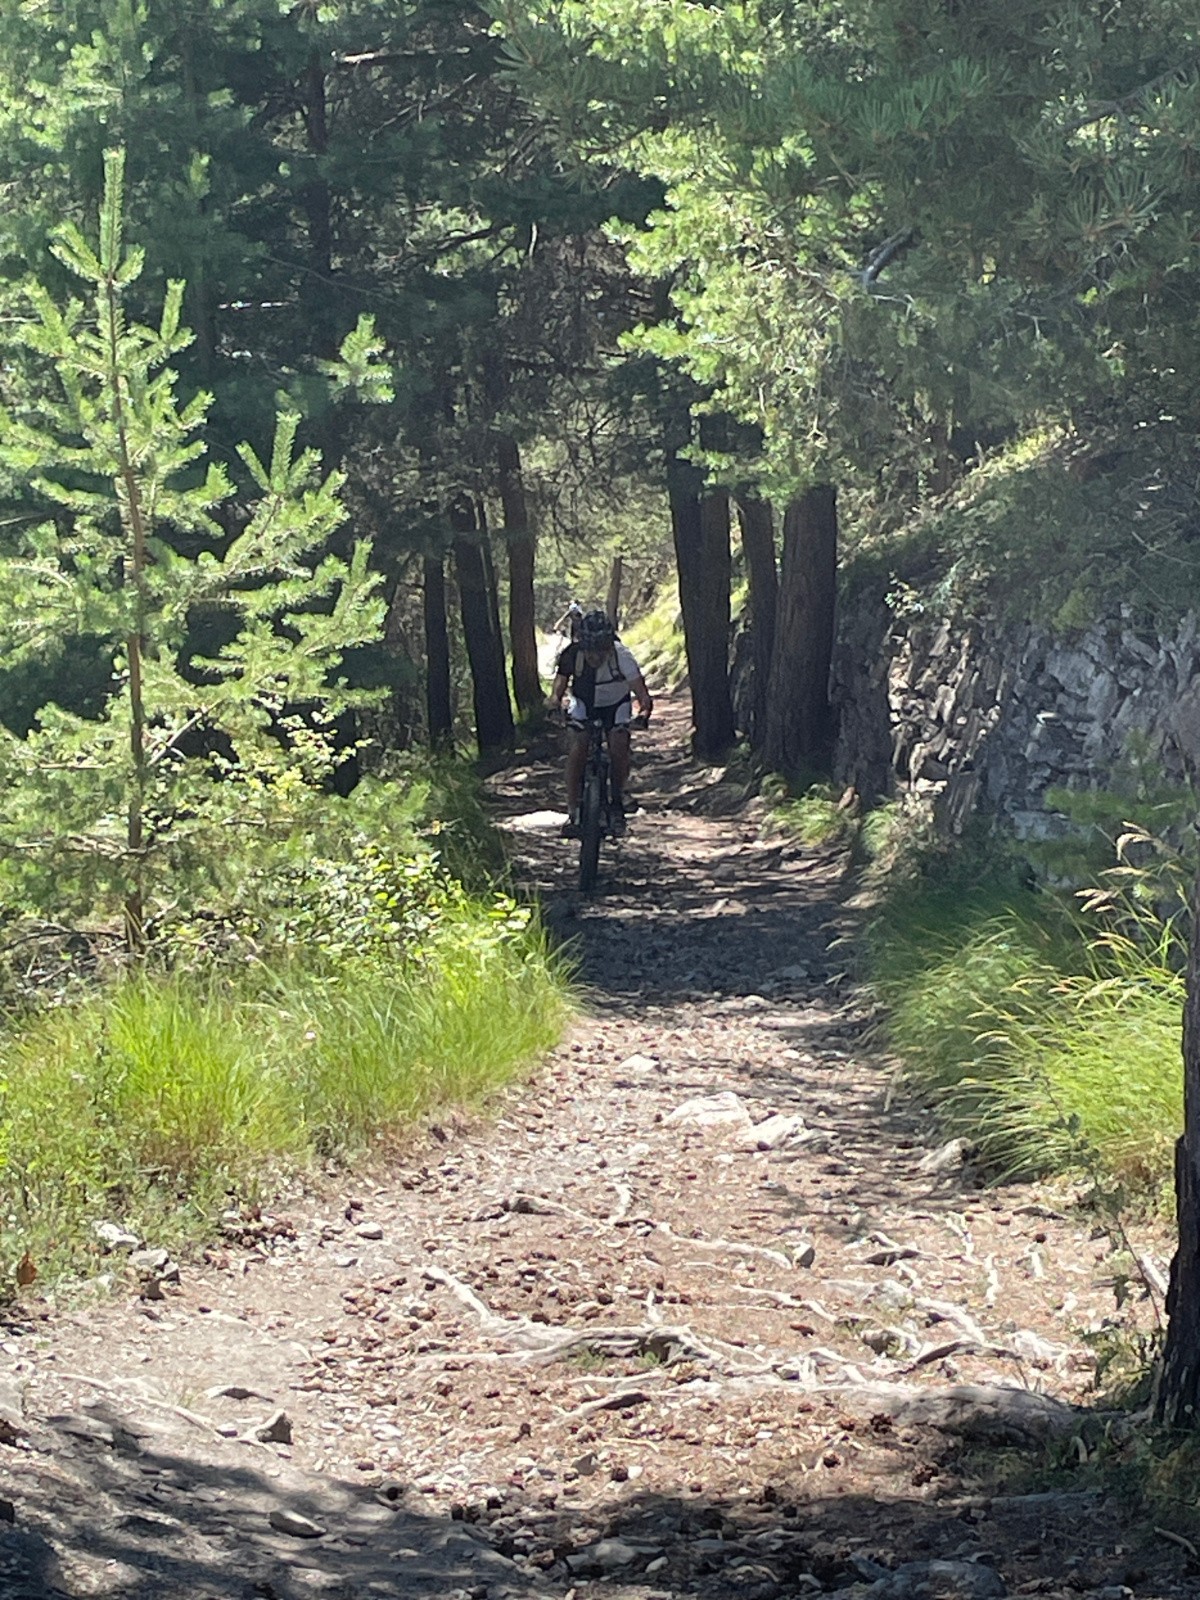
603 677
570 622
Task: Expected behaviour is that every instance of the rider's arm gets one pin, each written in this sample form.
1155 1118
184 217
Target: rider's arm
642 695
557 690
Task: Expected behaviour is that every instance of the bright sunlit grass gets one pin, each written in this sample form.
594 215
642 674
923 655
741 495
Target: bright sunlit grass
163 1099
1055 1047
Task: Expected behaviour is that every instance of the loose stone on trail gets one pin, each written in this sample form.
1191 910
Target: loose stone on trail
775 1131
939 1580
277 1429
295 1525
947 1157
710 1111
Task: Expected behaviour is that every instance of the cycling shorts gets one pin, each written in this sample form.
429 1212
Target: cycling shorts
617 716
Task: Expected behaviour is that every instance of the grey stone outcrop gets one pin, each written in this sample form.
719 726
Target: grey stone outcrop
968 714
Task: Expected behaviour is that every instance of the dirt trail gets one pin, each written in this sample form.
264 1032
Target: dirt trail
698 1312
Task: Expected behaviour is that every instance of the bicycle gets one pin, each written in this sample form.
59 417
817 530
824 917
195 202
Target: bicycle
595 800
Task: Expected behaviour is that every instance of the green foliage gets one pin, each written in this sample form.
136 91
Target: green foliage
1122 522
1050 1040
163 1098
895 234
1140 818
102 810
814 815
656 639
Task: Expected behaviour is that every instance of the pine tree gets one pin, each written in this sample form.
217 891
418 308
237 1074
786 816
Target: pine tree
105 809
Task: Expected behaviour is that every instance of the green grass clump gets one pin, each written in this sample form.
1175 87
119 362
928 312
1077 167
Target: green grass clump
1051 1041
312 996
159 1100
815 816
1088 1066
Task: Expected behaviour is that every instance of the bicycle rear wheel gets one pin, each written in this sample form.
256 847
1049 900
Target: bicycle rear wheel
591 812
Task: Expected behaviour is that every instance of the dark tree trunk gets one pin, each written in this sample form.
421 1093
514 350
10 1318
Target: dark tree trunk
798 730
481 628
522 625
438 710
489 572
1178 1403
700 524
315 195
612 602
758 546
403 711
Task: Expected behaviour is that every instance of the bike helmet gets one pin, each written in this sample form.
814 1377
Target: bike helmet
596 631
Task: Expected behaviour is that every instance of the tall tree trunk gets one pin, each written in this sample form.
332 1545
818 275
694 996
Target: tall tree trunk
489 572
315 195
522 626
1178 1401
798 727
612 602
438 710
403 710
700 525
758 546
481 628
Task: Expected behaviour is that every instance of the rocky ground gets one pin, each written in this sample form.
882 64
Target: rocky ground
703 1308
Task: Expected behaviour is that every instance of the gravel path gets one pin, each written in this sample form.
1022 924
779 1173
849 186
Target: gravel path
702 1308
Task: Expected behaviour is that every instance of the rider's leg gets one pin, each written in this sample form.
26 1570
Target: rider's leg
576 759
618 750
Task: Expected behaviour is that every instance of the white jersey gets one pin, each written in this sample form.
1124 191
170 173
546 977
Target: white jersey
609 685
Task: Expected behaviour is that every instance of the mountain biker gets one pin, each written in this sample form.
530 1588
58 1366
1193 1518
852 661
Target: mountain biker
568 624
603 677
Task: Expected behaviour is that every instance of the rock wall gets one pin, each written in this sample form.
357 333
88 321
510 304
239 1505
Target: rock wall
968 715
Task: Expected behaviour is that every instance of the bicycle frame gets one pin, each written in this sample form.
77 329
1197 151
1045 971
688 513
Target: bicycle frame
593 803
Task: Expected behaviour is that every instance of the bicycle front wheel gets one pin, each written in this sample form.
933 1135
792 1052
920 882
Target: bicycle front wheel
591 811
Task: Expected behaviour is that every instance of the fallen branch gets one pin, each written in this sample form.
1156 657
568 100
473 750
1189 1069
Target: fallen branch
959 1347
1178 1538
955 1314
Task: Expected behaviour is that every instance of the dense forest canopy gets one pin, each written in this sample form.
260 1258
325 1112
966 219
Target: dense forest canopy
546 281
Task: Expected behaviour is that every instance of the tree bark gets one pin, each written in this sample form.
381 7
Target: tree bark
758 546
612 603
798 725
700 525
438 710
1178 1400
522 626
481 629
316 293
